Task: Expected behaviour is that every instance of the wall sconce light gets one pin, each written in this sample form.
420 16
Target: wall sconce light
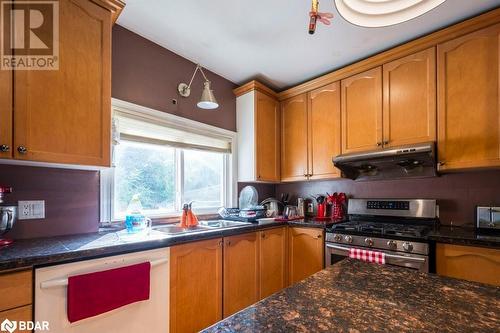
207 100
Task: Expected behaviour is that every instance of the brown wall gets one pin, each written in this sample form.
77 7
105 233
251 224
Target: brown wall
147 74
457 194
71 199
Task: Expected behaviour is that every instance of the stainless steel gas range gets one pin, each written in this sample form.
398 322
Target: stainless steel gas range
395 227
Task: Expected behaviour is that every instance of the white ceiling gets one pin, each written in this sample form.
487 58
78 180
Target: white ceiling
268 39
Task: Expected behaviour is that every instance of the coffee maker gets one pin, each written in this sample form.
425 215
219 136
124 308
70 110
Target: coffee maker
8 215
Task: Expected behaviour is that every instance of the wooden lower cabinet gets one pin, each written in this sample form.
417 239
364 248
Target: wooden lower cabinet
305 253
273 265
16 289
16 296
23 313
195 285
241 272
468 263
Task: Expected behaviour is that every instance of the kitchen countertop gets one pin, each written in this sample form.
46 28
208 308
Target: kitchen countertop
353 296
44 251
464 236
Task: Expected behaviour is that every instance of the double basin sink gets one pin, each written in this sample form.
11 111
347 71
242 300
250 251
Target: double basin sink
202 226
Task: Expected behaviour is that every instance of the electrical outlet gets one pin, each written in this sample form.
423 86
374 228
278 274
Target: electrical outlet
27 210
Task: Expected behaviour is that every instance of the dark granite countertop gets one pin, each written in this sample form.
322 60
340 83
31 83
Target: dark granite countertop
43 251
464 236
353 296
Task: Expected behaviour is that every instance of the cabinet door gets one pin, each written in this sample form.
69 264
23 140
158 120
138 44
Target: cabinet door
6 114
241 272
195 285
24 313
410 99
272 261
294 138
468 101
362 111
305 251
267 137
469 263
64 115
324 131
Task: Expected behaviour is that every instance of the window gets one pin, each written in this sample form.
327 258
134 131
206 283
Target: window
167 161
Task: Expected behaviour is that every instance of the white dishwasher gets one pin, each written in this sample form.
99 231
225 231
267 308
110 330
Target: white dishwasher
145 316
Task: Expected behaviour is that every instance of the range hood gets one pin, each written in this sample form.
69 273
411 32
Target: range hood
415 161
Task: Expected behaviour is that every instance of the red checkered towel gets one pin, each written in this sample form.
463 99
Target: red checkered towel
367 255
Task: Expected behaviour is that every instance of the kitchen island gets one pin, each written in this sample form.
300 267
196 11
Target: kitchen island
353 296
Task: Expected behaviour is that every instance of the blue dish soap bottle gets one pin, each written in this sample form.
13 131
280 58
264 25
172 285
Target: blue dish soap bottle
135 220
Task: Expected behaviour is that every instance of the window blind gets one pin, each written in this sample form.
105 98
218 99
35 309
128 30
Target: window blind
137 129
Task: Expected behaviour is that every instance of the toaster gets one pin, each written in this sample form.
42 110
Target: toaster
488 218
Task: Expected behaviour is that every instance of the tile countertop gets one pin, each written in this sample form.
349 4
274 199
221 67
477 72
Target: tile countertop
353 296
43 251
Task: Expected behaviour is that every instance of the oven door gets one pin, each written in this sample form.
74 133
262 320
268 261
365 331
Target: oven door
335 253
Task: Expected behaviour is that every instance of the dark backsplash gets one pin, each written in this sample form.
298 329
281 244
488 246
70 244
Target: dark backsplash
457 194
71 199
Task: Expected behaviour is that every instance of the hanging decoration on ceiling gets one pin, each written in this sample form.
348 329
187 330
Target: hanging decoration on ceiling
315 15
374 14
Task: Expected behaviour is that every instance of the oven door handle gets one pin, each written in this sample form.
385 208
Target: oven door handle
393 256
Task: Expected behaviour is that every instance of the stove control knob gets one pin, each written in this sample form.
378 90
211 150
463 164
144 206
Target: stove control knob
407 246
337 238
369 241
392 244
348 239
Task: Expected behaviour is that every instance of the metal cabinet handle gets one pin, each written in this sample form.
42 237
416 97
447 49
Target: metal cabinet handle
379 144
263 235
22 150
441 163
228 243
4 148
318 237
220 243
385 143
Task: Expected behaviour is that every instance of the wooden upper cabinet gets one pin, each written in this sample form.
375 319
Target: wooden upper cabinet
469 263
195 285
324 131
294 138
241 272
468 101
267 137
305 253
64 115
362 111
272 261
259 139
6 114
410 99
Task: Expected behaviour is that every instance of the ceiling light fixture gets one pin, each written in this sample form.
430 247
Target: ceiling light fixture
207 100
381 13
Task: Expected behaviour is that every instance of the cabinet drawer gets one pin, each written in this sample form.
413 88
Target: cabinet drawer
469 263
16 289
24 313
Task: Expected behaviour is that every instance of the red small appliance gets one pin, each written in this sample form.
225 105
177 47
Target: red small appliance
337 202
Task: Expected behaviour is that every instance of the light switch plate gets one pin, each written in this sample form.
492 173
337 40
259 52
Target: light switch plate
28 210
